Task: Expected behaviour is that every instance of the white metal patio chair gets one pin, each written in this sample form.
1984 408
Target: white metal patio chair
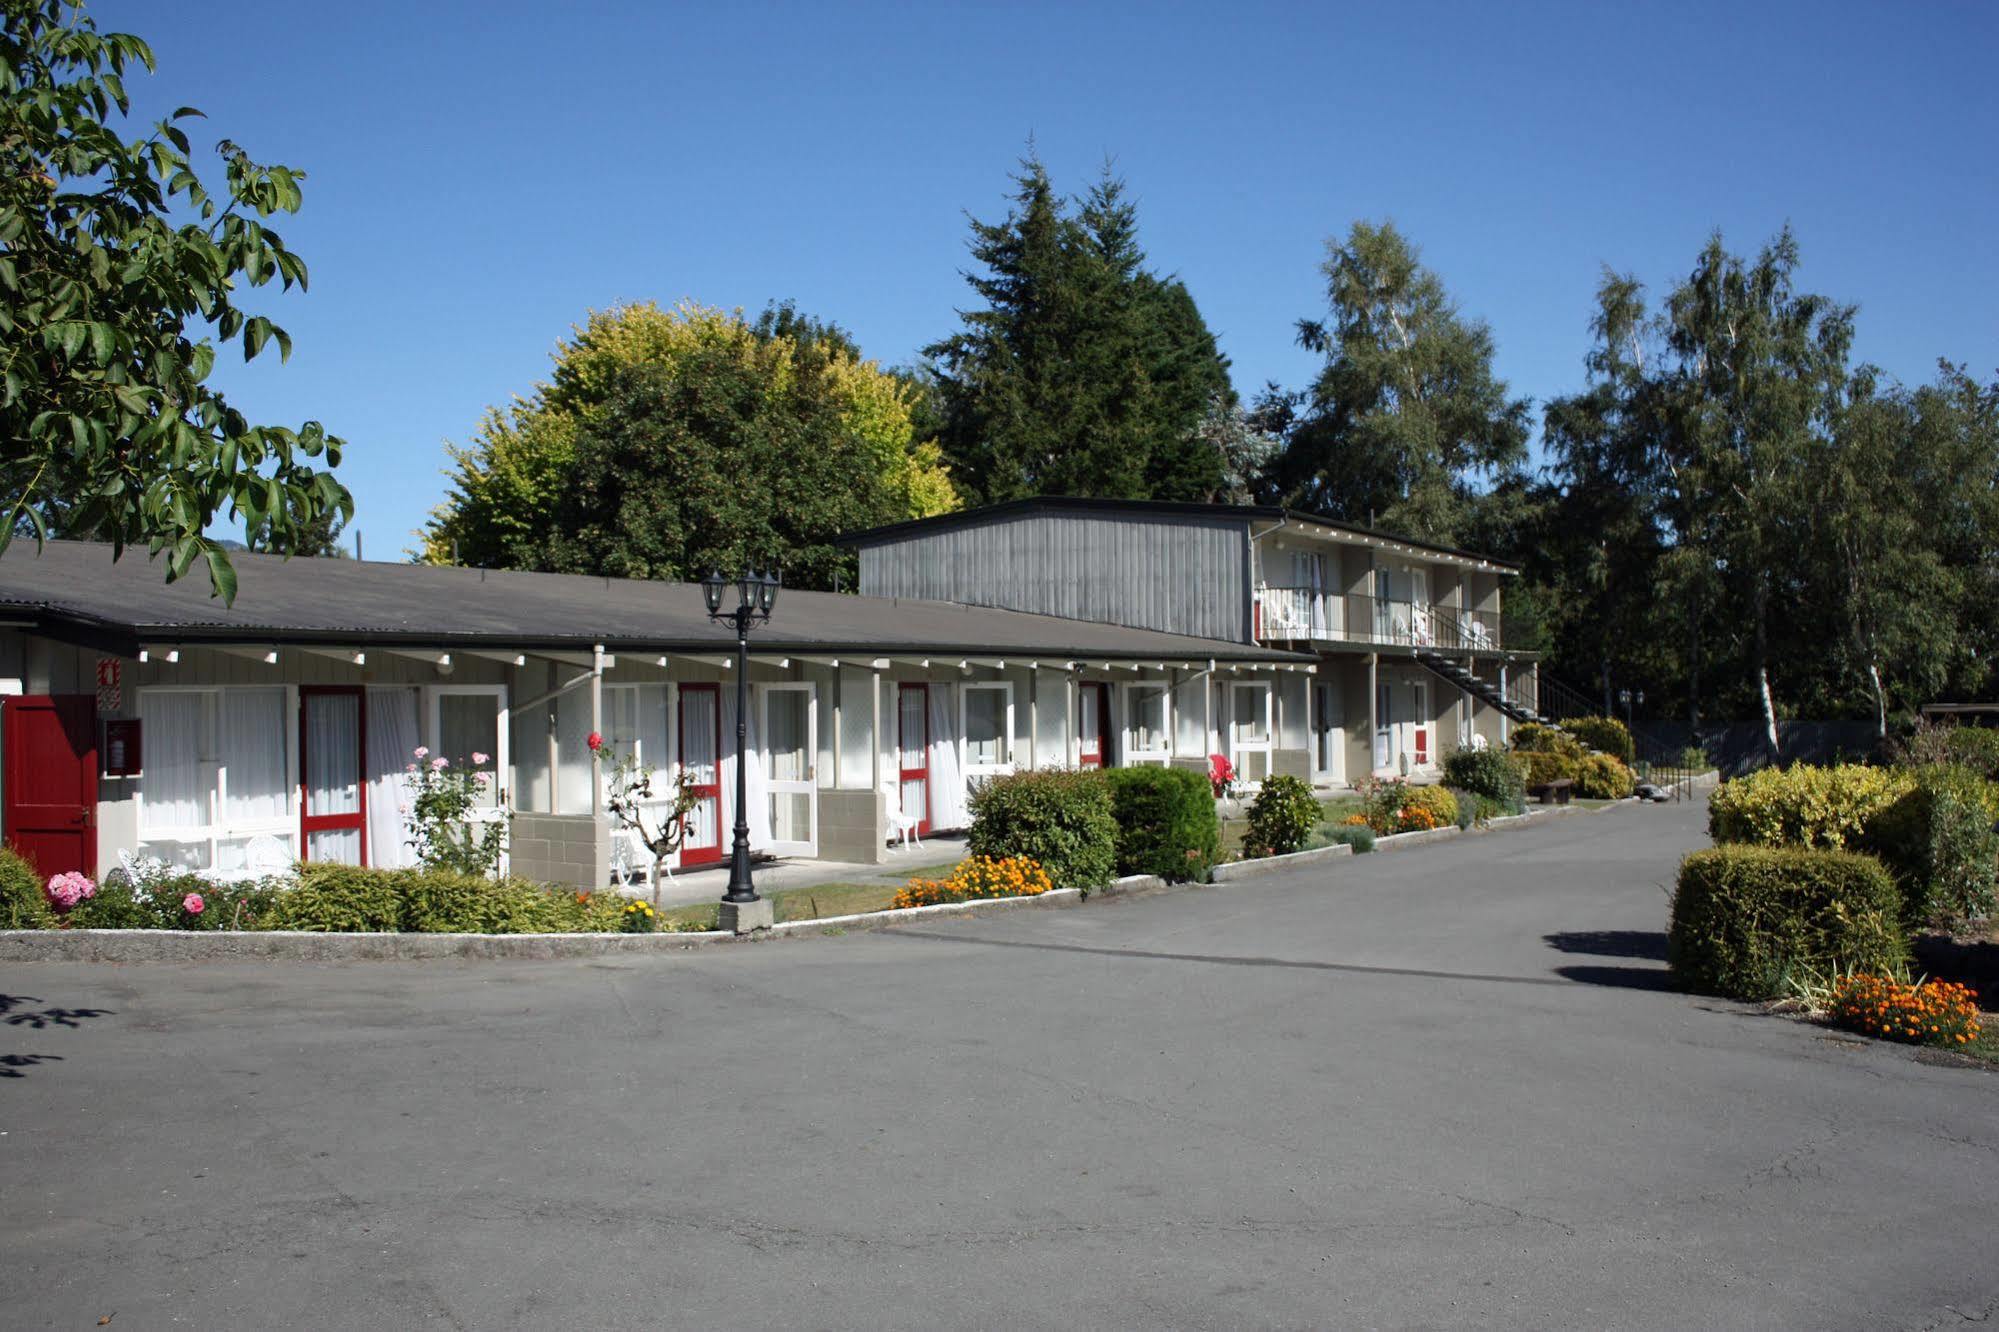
901 824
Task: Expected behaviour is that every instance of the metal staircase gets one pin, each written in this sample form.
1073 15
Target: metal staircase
1454 673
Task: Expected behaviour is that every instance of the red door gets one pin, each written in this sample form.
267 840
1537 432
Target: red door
333 735
701 760
50 772
1092 725
912 747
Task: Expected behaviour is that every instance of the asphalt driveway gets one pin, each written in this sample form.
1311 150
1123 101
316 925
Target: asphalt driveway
1442 1087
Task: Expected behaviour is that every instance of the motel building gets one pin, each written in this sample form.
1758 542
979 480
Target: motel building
139 718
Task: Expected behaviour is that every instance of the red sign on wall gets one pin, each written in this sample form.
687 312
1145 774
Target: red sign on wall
110 684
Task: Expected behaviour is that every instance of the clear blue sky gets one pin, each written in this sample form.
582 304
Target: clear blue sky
481 175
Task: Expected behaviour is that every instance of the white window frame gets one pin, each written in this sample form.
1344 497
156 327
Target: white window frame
1238 747
433 731
809 784
215 777
1131 755
977 771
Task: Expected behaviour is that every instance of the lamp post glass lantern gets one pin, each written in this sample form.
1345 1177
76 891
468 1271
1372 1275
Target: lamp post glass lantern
756 594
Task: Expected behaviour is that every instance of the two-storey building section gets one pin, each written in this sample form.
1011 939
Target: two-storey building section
1410 638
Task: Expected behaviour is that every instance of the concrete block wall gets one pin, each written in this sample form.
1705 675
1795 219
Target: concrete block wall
561 848
853 825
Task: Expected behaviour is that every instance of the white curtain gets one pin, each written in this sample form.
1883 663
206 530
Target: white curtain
392 735
947 780
254 729
572 751
171 789
757 788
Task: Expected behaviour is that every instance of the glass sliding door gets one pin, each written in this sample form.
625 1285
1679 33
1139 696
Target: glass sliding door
334 818
791 741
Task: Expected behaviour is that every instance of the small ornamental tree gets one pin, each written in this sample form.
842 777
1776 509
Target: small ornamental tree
117 265
443 801
636 794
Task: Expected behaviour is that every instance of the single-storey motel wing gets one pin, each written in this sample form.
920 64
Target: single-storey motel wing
145 718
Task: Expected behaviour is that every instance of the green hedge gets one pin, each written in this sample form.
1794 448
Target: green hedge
1804 806
1606 735
1543 767
1281 817
377 901
1492 773
1059 818
1534 738
1748 919
1938 840
1166 822
1602 777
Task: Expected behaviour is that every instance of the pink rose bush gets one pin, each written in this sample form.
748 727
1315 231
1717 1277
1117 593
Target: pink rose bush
65 890
193 905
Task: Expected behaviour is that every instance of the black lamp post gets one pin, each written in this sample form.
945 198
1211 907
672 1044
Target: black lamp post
756 593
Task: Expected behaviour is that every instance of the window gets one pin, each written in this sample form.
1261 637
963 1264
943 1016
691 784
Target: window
1148 737
218 775
857 728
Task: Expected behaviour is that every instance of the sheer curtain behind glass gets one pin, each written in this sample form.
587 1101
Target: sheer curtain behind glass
392 735
947 779
332 773
171 790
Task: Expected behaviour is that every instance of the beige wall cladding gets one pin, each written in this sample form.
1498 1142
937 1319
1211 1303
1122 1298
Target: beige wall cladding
852 826
573 849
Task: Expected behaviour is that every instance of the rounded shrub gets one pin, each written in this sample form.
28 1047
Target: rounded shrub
1601 777
1059 818
1747 919
1803 805
1544 767
1493 773
1534 738
1280 818
1356 835
1606 735
1166 822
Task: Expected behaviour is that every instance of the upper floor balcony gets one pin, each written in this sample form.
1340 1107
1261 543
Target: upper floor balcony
1308 615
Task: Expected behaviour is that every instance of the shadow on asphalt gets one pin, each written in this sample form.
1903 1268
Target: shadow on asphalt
19 1014
1648 944
1621 978
1224 960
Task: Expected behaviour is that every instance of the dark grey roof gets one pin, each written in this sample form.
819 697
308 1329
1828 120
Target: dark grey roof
1162 508
76 588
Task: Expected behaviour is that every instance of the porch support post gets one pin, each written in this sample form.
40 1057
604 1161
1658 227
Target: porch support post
1373 708
1033 716
1505 722
596 728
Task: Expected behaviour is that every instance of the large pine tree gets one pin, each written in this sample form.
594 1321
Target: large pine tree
1081 372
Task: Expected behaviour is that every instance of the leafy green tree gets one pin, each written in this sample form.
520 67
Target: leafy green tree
1759 369
1080 371
1406 421
671 441
119 272
320 537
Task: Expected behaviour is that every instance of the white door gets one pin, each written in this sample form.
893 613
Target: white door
1249 731
985 721
468 724
1422 631
1148 724
791 742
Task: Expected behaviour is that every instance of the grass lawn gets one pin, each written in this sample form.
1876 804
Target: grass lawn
810 903
1332 810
